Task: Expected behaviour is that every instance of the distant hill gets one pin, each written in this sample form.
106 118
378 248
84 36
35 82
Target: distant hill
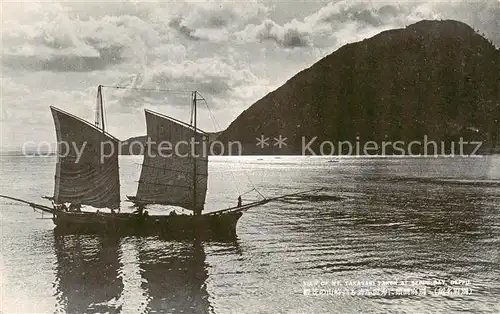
136 148
434 78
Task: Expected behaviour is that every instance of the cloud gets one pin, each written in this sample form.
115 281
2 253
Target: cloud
345 21
26 115
213 21
177 24
213 77
323 27
289 35
65 60
77 37
233 53
55 39
373 14
483 16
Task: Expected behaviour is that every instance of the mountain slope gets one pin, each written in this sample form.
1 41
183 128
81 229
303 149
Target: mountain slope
438 79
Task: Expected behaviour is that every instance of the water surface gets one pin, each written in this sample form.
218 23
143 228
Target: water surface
379 219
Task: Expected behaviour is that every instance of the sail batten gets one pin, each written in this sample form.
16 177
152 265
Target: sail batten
175 170
174 185
87 164
170 179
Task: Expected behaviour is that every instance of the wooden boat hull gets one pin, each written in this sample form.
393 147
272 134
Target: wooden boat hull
180 226
220 224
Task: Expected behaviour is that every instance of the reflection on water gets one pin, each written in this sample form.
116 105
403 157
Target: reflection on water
91 273
174 277
87 270
377 219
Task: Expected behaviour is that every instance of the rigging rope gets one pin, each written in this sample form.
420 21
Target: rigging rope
247 192
239 161
217 128
150 89
212 116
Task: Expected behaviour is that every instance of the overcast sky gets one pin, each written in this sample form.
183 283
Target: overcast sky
234 53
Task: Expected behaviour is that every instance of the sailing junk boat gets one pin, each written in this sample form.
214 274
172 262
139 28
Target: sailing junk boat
179 179
90 176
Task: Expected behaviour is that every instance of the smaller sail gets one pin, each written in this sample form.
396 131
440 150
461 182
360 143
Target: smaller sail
87 165
175 176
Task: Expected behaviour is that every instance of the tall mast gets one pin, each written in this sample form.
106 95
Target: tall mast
98 109
196 211
102 109
99 115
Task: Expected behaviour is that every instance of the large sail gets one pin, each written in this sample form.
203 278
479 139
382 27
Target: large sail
87 165
171 174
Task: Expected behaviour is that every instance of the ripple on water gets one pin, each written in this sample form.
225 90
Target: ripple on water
376 220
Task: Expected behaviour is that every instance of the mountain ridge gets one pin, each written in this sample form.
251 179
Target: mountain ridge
434 78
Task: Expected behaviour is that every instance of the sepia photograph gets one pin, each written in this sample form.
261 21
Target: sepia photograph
250 156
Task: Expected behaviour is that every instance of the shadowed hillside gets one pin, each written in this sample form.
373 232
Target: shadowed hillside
434 78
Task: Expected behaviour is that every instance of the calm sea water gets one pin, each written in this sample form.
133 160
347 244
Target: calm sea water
433 220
